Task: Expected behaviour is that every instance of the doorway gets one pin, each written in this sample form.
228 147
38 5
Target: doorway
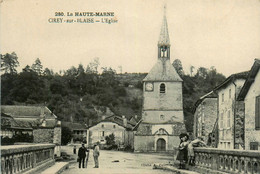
161 144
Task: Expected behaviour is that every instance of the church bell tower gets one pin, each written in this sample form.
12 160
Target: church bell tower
162 111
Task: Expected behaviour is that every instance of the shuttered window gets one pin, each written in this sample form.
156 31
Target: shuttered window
257 113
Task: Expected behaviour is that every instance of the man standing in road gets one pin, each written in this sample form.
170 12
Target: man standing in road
82 156
96 154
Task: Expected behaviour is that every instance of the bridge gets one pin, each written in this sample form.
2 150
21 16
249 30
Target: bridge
26 158
38 157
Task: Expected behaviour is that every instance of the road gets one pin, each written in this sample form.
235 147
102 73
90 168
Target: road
115 162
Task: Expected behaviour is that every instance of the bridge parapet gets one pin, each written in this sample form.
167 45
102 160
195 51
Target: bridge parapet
26 158
227 161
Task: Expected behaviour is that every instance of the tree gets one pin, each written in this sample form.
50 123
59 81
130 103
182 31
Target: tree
28 87
110 139
191 70
178 66
93 66
66 135
48 72
37 67
9 63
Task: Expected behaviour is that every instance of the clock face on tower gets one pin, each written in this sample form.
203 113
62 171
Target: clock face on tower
149 86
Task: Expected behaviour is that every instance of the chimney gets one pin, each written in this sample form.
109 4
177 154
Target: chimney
58 123
44 123
124 120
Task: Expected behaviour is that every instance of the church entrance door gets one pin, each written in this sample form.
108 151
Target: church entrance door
161 144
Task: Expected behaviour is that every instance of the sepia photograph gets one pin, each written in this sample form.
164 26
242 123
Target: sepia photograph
130 87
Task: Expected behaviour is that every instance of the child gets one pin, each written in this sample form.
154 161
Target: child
198 142
183 152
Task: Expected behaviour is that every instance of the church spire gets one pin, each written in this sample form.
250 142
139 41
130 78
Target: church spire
164 38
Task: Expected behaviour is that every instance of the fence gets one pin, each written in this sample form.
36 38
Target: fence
24 158
229 161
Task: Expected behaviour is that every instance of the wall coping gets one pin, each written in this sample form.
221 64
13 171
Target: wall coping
233 152
12 149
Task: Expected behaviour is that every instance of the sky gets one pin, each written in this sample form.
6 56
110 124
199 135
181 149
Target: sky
203 33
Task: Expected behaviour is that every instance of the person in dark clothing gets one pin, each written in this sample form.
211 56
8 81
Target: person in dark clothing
74 149
82 156
183 151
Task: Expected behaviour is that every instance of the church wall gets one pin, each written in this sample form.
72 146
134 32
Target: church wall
173 143
155 116
144 143
171 99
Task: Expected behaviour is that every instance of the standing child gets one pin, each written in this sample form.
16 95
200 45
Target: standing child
183 152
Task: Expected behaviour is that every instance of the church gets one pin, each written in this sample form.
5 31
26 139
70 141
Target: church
162 110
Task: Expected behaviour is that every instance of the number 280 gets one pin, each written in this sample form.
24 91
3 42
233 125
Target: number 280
59 14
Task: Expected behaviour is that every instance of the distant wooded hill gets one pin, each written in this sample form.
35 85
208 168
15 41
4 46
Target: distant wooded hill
80 94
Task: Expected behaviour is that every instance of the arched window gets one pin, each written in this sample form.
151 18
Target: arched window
162 88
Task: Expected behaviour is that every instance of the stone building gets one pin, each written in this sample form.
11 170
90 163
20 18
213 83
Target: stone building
205 116
40 120
162 112
79 131
250 95
228 106
119 126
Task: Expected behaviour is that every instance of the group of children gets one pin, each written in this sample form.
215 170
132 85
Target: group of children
186 151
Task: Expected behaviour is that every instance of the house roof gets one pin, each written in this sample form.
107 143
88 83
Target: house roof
29 116
27 111
232 78
74 126
211 94
118 120
250 80
8 121
163 71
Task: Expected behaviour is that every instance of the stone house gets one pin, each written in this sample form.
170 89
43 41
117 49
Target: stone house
11 128
250 95
119 126
162 111
227 93
79 131
40 120
205 115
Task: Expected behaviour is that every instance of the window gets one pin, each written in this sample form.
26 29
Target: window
102 125
222 97
253 145
257 112
114 126
162 117
228 119
102 133
229 93
162 88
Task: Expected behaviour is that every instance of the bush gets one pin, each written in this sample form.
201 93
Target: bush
66 135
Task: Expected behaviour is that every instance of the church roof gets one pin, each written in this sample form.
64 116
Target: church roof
164 38
163 71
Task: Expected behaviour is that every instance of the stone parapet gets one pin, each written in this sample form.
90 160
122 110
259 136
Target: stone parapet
229 161
23 158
